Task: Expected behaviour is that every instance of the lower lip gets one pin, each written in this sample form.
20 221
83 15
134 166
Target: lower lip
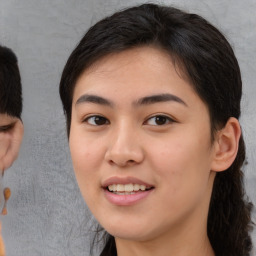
126 200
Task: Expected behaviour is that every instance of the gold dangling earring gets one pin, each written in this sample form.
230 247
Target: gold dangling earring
7 195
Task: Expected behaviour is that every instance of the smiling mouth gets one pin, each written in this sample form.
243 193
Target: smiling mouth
127 189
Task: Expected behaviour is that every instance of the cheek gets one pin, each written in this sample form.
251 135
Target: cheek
182 164
86 157
85 151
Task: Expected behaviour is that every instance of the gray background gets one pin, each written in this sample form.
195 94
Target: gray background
47 215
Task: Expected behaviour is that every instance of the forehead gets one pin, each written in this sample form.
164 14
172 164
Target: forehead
140 66
153 55
6 119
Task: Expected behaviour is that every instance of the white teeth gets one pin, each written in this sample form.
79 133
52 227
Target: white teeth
119 187
136 187
111 187
142 187
126 188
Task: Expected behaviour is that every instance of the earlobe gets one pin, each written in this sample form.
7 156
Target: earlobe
10 141
226 145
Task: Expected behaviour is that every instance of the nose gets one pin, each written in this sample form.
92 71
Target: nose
124 148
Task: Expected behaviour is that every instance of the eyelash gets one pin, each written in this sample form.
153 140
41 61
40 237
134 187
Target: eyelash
104 121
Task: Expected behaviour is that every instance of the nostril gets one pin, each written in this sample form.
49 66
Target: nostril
111 162
122 163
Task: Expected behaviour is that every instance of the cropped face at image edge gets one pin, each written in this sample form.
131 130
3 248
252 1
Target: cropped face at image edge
137 120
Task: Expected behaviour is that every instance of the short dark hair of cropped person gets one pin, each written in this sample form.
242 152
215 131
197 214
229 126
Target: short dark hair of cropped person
10 84
208 60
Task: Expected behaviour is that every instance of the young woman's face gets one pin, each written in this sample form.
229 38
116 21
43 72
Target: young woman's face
141 147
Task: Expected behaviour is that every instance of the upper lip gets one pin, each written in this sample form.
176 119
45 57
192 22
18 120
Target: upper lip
124 180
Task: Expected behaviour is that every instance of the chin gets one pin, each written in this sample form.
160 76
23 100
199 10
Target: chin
130 235
129 231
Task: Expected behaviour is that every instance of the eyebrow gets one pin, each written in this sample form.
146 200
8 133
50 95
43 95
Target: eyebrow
165 97
88 98
159 98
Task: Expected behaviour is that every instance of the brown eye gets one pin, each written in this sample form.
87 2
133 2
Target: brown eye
159 120
96 120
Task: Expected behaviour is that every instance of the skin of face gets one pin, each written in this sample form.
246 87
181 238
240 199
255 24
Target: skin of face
11 133
165 143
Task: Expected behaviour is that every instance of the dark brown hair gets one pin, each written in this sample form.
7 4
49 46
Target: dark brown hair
10 83
209 63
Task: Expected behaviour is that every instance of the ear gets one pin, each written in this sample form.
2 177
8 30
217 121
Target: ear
226 145
10 141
